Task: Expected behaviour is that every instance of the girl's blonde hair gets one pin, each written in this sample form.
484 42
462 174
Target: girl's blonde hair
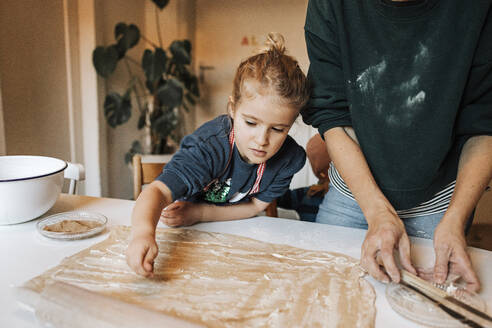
274 71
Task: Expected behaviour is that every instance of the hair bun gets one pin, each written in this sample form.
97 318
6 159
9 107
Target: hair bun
275 42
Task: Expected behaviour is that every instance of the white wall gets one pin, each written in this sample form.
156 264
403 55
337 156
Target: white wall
3 147
32 66
74 91
90 91
47 88
3 150
221 27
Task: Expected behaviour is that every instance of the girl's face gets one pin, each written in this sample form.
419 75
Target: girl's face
261 124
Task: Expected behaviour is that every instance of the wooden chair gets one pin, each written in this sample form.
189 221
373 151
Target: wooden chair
75 173
144 173
271 210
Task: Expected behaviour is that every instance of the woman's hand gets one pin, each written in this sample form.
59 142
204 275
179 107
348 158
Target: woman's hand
386 233
181 213
141 253
451 256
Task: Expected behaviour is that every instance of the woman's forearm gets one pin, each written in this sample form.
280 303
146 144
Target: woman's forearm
350 162
474 173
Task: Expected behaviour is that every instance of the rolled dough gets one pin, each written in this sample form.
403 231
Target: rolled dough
222 280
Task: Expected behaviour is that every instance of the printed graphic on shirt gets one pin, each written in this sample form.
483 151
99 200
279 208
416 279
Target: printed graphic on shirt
217 192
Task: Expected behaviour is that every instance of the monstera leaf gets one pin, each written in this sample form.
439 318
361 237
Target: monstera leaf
193 86
190 98
104 60
181 51
165 124
191 83
161 3
189 80
135 149
170 94
127 36
141 120
117 109
154 64
168 81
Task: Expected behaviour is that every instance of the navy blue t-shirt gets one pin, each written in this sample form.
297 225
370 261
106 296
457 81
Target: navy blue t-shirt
203 157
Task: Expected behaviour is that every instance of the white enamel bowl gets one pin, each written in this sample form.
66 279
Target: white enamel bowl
29 186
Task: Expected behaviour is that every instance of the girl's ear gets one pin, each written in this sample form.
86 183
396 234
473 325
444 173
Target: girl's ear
230 107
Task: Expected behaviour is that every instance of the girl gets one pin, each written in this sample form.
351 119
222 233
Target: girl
244 159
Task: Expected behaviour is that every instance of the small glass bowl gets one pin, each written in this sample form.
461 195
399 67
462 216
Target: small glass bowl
77 215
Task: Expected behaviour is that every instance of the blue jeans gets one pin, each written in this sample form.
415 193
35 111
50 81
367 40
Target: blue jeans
338 209
298 200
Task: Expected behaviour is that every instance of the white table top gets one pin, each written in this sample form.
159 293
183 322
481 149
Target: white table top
24 253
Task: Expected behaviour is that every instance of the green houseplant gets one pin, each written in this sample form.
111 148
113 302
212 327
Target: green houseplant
169 85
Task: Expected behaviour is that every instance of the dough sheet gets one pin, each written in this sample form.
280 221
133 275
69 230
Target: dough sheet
223 280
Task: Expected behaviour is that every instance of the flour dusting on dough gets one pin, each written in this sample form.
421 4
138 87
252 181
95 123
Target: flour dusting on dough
222 280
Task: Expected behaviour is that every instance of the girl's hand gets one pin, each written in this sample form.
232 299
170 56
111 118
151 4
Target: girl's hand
385 234
181 213
141 253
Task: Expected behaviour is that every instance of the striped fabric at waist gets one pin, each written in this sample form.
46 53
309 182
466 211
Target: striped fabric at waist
437 204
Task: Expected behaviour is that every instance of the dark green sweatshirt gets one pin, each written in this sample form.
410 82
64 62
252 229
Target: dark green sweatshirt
414 80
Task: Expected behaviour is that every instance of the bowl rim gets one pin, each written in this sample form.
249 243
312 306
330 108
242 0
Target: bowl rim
36 176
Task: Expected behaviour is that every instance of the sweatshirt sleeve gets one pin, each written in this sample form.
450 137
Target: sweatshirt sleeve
295 159
197 162
328 106
475 117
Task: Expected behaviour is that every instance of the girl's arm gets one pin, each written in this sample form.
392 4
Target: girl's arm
186 213
142 249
